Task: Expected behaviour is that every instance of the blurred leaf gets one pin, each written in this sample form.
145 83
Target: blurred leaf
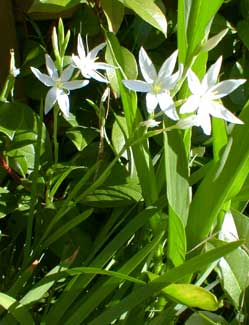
242 28
52 5
149 12
7 204
114 12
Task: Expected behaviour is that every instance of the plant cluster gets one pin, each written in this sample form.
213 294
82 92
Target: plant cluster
119 208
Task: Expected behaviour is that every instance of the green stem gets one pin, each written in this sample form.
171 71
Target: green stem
33 198
55 131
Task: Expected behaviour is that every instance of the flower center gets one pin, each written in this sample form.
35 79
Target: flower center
59 84
157 87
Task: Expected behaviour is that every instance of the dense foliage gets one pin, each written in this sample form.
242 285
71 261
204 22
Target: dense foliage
124 131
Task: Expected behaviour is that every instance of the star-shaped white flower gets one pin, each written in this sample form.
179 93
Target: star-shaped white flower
205 97
157 85
86 61
61 85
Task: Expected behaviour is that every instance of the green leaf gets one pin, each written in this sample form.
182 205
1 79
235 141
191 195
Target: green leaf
242 29
149 12
176 274
242 226
190 295
81 136
176 165
53 5
109 285
129 66
7 204
72 292
114 196
24 118
17 310
222 183
114 12
205 318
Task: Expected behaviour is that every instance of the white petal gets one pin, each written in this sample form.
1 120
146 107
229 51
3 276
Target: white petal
218 110
102 66
190 105
94 52
187 122
44 78
168 66
204 120
75 84
167 105
224 88
95 75
80 48
67 73
171 81
151 102
77 61
147 67
50 99
137 85
63 102
212 74
51 68
194 83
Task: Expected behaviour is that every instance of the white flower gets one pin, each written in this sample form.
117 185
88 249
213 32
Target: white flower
61 85
157 85
205 97
86 61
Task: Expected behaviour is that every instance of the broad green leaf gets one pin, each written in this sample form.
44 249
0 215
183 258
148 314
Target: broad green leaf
17 310
119 134
24 118
53 5
242 226
40 290
174 275
201 15
176 166
129 66
149 12
81 136
205 318
114 12
222 183
190 295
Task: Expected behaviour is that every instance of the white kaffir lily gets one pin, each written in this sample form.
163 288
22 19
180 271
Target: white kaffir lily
205 98
61 85
86 61
157 85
